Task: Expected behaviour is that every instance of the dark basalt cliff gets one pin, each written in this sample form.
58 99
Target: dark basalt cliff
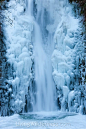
81 5
4 97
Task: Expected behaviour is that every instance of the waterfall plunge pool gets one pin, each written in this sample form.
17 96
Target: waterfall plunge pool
46 115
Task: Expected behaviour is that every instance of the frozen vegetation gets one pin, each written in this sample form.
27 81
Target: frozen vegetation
45 58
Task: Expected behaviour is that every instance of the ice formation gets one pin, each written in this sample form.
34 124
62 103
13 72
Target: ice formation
41 38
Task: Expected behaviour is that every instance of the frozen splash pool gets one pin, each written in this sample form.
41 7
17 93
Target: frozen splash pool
42 120
46 115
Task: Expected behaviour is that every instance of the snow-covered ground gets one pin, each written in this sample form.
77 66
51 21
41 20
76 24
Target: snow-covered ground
55 120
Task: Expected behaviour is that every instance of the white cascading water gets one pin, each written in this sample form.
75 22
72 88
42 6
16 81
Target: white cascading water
43 70
43 75
46 32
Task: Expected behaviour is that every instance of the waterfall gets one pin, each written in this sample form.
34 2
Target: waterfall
29 7
45 92
44 53
43 75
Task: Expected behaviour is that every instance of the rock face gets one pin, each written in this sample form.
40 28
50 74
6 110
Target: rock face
5 93
81 54
81 8
61 30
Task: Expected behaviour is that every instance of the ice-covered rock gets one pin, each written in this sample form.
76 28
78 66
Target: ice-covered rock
19 50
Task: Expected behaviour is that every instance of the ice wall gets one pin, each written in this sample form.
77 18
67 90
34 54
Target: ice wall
63 57
66 60
18 29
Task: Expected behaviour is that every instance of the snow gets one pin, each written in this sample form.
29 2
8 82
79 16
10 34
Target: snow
60 120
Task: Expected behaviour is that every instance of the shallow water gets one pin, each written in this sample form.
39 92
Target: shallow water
46 115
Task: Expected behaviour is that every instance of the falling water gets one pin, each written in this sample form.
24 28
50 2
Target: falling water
29 7
43 70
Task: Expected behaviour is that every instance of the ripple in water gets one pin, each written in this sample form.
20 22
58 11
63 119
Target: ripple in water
46 115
